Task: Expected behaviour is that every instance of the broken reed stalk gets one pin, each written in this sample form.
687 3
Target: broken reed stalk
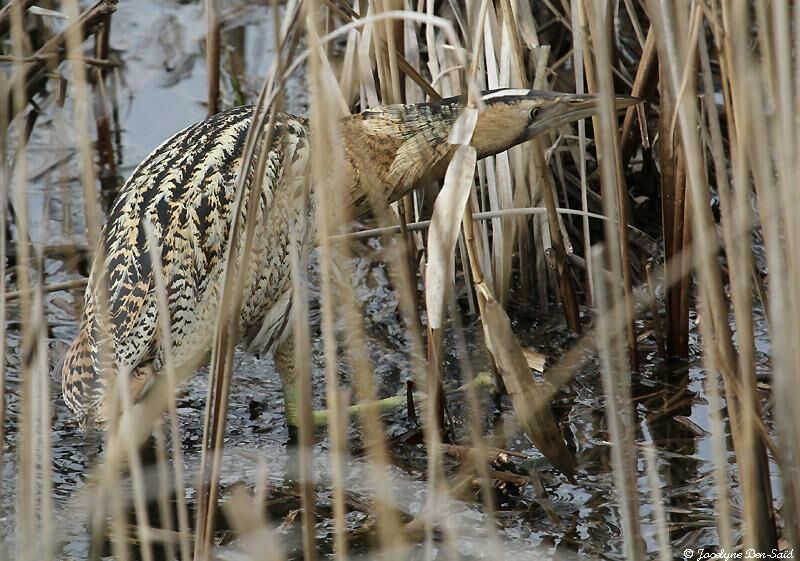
103 64
504 350
566 285
213 49
644 86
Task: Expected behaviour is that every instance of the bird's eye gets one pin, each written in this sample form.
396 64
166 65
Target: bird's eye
535 113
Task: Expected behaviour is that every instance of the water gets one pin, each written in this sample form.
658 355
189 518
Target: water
161 89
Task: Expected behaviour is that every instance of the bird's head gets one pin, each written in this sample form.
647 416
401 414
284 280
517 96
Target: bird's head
394 149
512 116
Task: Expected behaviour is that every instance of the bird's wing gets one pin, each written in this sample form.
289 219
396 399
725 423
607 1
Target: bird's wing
185 189
285 220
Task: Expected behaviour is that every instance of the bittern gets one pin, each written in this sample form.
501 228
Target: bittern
186 188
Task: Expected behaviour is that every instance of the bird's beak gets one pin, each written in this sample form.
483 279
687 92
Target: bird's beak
567 108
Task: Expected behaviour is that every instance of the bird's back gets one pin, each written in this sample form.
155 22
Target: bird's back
186 190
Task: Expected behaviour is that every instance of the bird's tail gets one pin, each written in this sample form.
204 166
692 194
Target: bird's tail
86 390
80 385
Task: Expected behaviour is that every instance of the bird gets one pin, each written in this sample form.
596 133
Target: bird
185 189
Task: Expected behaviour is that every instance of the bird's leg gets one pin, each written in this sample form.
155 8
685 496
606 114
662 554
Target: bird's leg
142 378
285 364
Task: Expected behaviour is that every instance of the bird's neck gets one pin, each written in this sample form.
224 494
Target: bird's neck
392 151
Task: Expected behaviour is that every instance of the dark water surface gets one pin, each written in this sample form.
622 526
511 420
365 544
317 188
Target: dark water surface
161 88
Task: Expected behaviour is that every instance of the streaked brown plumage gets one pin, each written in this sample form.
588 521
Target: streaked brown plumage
185 188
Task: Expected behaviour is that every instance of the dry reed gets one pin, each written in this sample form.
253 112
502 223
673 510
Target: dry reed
722 126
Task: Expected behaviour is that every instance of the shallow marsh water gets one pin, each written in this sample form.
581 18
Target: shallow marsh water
161 87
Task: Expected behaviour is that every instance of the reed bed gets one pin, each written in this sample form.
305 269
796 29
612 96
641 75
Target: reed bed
654 242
